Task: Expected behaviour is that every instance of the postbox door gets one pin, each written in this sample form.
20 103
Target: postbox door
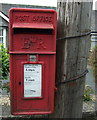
32 97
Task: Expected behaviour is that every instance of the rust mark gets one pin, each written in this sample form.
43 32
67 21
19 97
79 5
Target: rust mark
86 30
73 83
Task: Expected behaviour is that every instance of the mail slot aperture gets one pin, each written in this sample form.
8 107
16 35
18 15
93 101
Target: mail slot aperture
35 34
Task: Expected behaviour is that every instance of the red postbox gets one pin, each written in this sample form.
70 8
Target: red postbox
32 60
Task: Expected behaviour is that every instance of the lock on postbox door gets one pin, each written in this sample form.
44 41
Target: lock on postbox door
32 60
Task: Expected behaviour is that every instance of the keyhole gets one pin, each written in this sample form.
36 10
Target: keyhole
19 83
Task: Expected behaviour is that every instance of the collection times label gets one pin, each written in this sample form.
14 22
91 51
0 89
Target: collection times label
32 80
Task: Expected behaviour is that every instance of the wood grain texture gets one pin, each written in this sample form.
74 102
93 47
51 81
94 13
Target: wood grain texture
72 54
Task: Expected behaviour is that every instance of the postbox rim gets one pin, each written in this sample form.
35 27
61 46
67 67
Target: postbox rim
33 26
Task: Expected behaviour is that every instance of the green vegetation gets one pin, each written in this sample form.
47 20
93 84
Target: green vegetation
4 62
88 93
4 68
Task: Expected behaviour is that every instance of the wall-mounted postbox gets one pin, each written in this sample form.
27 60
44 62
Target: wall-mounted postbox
32 60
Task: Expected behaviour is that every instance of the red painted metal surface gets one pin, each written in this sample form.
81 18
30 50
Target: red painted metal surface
33 26
32 32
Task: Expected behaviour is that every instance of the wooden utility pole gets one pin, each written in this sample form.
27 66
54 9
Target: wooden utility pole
72 55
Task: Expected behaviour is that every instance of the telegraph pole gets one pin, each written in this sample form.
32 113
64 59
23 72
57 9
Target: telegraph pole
73 44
